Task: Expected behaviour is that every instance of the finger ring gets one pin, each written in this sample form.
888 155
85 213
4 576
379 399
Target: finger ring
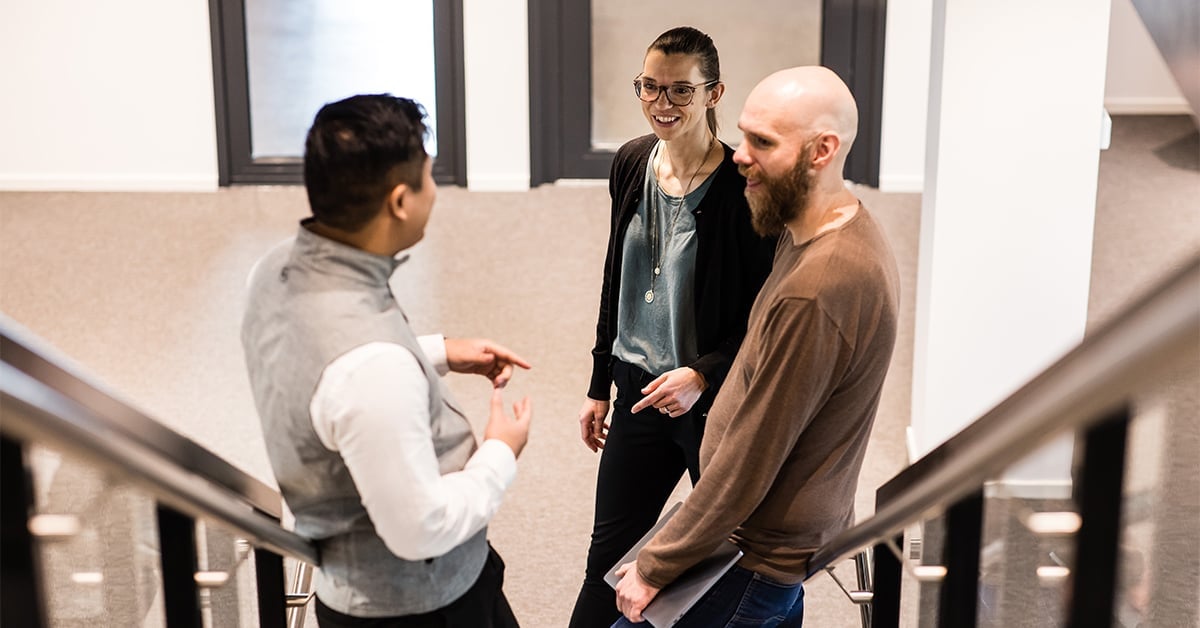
664 410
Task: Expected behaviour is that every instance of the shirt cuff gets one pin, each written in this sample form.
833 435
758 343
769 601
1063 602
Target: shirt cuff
496 454
434 348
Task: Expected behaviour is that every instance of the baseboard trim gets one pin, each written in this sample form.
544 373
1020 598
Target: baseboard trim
901 183
581 183
1028 489
1147 106
498 183
27 182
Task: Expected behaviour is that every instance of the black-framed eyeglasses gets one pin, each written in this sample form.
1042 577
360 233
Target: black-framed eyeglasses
678 94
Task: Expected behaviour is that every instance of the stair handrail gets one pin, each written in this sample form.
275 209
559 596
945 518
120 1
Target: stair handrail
51 401
1075 392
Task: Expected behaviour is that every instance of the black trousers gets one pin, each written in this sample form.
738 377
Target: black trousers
482 606
644 457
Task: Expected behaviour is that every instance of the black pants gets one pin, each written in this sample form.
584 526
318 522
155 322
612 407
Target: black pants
644 457
482 606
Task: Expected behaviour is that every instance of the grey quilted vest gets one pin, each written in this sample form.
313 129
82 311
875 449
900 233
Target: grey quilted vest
311 301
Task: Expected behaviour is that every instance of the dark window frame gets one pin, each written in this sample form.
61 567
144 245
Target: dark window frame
236 164
852 38
561 145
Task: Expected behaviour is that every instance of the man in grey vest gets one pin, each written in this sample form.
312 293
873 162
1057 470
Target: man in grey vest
379 466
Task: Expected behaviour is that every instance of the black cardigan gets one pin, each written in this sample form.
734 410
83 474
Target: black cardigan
732 262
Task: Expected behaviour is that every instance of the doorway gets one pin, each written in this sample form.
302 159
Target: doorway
276 62
582 51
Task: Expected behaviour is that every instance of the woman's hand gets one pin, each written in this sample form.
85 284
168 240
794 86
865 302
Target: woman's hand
592 427
673 393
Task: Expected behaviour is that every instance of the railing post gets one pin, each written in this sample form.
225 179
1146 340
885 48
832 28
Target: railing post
885 605
270 586
21 604
862 569
1099 488
177 543
272 598
959 594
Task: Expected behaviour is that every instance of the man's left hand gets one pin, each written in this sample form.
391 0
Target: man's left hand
479 356
633 594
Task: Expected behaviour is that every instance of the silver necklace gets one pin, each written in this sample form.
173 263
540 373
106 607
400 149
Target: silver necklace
655 250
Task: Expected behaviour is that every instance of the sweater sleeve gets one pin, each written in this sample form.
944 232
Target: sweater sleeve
790 371
622 175
600 384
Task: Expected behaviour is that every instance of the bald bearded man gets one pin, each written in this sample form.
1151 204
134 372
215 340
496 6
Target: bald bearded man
786 434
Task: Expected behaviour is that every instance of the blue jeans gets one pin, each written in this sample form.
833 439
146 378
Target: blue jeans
743 598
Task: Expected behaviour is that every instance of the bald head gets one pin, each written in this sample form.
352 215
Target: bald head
808 100
798 126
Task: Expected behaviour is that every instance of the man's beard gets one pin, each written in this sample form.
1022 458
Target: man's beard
782 198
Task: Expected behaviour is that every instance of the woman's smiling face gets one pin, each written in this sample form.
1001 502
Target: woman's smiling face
668 120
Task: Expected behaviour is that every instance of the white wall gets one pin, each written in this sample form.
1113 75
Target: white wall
107 96
1009 202
1138 79
905 95
118 95
496 60
1137 82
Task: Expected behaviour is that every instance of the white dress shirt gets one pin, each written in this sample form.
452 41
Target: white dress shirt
372 406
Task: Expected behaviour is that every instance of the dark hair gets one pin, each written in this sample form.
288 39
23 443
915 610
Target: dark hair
685 40
357 151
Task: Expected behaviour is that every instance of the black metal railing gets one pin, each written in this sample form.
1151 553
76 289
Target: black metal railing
45 402
1088 392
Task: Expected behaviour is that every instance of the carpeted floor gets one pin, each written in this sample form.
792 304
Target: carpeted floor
145 291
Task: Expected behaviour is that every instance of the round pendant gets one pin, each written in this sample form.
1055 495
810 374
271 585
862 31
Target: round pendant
649 296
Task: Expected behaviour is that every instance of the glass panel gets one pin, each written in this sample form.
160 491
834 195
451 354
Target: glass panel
97 540
302 54
913 597
1158 580
225 571
925 557
1027 549
775 34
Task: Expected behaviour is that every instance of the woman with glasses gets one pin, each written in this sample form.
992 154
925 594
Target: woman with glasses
682 270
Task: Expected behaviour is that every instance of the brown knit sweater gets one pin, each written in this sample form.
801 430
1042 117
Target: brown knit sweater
787 432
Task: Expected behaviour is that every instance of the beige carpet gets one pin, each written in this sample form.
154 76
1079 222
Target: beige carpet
145 291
